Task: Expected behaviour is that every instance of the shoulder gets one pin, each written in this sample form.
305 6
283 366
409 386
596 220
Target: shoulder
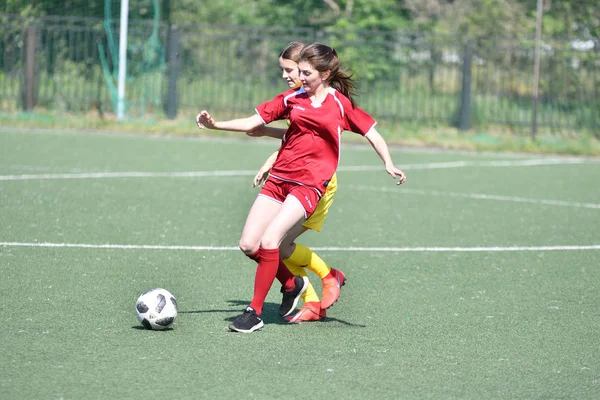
339 96
294 94
283 97
291 95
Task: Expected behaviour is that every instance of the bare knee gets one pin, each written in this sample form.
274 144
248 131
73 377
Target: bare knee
248 246
270 241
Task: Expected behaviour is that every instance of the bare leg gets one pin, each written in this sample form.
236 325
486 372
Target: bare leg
262 212
290 214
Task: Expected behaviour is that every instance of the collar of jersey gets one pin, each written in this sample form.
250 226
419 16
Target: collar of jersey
330 91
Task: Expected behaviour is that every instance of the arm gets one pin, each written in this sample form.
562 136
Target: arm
263 172
205 120
263 130
383 151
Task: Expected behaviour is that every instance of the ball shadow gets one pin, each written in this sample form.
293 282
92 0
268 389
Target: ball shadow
142 328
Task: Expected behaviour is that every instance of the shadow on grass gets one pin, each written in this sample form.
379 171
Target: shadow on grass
142 328
270 314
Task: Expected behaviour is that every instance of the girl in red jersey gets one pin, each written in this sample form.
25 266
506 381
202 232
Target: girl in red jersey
309 155
297 257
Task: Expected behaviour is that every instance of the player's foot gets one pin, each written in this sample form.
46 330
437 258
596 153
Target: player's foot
311 311
248 322
332 286
290 299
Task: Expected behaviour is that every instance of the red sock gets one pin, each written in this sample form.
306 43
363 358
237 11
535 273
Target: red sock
265 275
285 277
254 256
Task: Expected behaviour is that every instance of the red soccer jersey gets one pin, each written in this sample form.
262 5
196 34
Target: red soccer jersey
310 149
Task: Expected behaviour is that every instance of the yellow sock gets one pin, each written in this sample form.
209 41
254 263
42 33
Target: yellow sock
309 295
305 257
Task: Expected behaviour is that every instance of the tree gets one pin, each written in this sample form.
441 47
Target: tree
474 18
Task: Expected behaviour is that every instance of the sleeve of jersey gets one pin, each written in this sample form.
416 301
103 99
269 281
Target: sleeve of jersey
273 110
358 120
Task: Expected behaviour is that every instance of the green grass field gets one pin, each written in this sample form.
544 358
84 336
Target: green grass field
477 279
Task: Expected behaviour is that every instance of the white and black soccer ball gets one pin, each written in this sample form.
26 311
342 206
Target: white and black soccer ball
156 309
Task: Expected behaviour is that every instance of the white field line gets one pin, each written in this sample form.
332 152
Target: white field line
340 249
478 196
99 175
200 174
462 164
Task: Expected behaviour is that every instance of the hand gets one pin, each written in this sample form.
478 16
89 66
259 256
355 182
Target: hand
205 120
261 176
396 173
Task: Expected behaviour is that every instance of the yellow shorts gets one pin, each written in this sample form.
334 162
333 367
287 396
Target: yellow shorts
315 222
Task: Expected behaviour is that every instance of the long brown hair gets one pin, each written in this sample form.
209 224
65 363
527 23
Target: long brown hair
292 51
324 58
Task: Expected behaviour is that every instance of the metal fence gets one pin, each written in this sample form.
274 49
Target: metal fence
69 64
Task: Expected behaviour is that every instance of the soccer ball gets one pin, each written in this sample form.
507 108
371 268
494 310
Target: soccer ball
156 309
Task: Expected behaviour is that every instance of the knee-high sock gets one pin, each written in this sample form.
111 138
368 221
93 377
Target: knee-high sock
310 295
305 257
284 275
254 256
265 275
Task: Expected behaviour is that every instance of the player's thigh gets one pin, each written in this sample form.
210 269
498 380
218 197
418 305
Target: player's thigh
291 213
294 233
262 212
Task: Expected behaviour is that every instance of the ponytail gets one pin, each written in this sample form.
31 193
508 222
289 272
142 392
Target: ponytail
344 83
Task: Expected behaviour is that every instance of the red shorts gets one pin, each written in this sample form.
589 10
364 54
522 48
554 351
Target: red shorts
278 190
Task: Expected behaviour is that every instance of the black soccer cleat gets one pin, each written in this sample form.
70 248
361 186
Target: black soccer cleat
248 322
290 299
